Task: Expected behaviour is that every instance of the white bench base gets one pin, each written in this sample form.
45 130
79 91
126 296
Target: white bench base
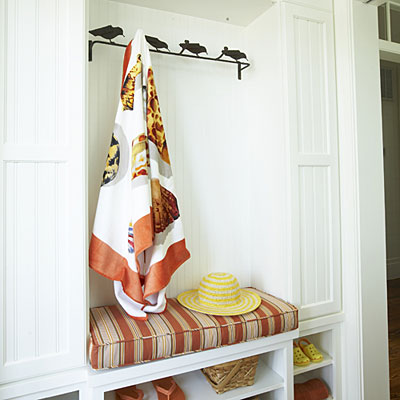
275 374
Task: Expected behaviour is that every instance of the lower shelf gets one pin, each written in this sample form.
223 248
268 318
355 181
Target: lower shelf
196 387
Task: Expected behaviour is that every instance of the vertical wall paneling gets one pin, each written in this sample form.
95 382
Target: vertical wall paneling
42 187
312 128
267 172
202 108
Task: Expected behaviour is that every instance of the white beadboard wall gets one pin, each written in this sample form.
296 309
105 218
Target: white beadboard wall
255 161
42 202
270 209
203 108
312 114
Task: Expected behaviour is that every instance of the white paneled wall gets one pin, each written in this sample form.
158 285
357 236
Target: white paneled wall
269 204
315 234
314 160
202 104
33 277
42 186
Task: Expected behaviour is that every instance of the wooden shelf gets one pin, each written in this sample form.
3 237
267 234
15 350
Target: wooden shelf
196 387
312 366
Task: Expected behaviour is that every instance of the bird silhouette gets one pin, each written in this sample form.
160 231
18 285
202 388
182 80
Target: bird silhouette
108 32
235 54
157 43
194 48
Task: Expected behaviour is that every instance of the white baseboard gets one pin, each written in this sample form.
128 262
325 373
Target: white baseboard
393 268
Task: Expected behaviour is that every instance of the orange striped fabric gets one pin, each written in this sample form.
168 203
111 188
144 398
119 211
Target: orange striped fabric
119 340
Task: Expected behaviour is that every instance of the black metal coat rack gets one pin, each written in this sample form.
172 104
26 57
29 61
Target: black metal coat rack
109 32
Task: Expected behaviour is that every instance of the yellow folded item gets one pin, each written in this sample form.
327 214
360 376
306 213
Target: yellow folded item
310 350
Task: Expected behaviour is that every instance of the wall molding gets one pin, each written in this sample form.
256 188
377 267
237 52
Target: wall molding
371 207
352 371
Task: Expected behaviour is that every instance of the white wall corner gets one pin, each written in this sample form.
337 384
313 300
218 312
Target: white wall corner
374 330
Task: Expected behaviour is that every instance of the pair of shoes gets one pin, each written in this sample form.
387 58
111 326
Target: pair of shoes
166 388
305 352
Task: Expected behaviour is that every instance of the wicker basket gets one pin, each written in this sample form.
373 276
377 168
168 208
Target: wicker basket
231 375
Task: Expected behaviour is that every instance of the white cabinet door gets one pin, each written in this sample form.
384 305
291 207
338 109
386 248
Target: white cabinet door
312 129
42 202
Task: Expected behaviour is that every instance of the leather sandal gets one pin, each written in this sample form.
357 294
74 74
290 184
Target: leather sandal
167 389
130 393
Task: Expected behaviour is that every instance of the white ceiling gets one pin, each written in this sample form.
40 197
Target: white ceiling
236 12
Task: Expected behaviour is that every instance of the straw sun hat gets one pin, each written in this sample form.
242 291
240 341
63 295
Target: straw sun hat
219 294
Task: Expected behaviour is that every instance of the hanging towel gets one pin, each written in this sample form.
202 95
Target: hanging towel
137 238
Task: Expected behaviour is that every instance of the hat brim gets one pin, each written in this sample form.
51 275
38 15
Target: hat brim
248 302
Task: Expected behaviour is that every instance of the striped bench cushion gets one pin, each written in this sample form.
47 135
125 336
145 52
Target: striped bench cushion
118 340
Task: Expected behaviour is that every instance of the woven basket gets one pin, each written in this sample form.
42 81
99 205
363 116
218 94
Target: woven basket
231 375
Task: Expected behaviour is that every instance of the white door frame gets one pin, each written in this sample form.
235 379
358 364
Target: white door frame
365 333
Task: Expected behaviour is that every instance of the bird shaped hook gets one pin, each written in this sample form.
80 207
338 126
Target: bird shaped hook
108 32
235 54
195 48
156 43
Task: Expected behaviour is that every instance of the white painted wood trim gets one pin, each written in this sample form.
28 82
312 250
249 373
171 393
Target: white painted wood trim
320 322
278 358
352 372
321 5
42 201
360 380
375 2
391 47
93 384
371 204
45 384
312 134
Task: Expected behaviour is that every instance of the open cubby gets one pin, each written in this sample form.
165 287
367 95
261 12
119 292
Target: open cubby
326 374
323 342
270 377
326 340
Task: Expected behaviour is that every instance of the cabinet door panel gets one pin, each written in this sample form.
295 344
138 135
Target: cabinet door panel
312 115
42 240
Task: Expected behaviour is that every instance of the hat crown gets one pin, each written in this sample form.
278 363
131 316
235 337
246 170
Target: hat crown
219 289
